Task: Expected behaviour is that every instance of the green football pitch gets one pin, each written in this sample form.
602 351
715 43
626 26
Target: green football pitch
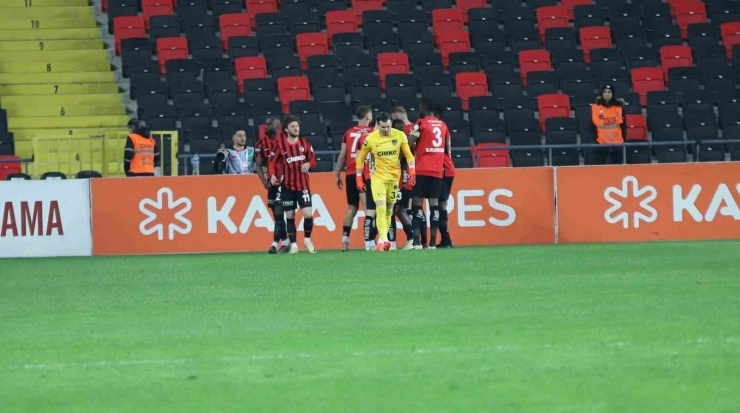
576 328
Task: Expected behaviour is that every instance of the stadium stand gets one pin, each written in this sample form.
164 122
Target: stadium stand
512 66
57 86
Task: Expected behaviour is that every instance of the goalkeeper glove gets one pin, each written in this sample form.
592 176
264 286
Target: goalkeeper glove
361 188
411 181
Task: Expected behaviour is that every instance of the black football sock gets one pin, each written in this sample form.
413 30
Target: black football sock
345 232
368 227
424 233
392 230
434 212
444 226
307 227
276 232
418 218
291 230
406 222
373 230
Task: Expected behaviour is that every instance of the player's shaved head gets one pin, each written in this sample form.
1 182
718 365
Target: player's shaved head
438 110
271 127
398 124
426 106
399 112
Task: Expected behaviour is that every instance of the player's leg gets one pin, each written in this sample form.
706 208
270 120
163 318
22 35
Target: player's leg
400 209
353 202
417 211
371 230
444 222
392 193
278 212
304 202
276 231
379 192
434 191
289 204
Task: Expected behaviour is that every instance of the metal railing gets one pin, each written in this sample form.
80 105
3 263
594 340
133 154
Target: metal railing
549 148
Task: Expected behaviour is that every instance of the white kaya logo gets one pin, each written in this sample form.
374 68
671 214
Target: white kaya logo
151 215
647 214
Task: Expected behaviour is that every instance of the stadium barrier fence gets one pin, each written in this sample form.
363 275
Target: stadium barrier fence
228 213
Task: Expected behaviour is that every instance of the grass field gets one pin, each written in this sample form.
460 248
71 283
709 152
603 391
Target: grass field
580 328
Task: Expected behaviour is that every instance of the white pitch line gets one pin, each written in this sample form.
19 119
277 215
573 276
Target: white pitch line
358 353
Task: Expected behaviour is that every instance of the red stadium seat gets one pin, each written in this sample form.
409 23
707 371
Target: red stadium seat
250 68
291 88
255 7
489 155
361 6
636 128
391 64
152 8
104 6
126 27
689 13
533 61
675 56
595 37
553 105
444 20
453 41
571 4
730 36
234 24
340 21
551 17
470 84
311 44
465 5
676 3
169 48
646 79
9 168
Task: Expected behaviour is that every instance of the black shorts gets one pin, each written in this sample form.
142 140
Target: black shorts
273 195
350 187
446 188
369 197
427 187
406 195
295 199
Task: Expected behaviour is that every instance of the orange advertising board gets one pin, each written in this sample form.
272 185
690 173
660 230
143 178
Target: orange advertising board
648 202
230 213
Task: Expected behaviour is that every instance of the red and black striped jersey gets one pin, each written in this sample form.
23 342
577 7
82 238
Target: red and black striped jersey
288 158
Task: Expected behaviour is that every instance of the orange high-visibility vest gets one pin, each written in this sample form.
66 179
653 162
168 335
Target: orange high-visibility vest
143 160
607 121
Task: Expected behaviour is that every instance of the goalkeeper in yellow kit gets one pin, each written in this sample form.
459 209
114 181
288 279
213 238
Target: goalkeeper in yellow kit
385 145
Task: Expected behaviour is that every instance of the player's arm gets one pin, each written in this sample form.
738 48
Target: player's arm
262 170
311 159
448 146
360 164
410 161
276 157
340 164
414 135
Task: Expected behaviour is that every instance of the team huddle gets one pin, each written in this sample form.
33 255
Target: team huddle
392 166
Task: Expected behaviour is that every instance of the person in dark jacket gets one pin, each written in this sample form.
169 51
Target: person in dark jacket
141 154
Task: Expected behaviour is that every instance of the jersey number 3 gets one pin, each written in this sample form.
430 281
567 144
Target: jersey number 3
437 142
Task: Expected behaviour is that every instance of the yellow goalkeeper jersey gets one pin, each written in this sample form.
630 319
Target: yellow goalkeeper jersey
386 151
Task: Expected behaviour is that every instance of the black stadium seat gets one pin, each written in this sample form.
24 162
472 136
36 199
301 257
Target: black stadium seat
347 76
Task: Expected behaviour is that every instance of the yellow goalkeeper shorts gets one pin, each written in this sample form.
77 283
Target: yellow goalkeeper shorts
384 190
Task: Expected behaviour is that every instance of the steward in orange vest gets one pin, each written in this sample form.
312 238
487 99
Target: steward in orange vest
141 154
607 115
